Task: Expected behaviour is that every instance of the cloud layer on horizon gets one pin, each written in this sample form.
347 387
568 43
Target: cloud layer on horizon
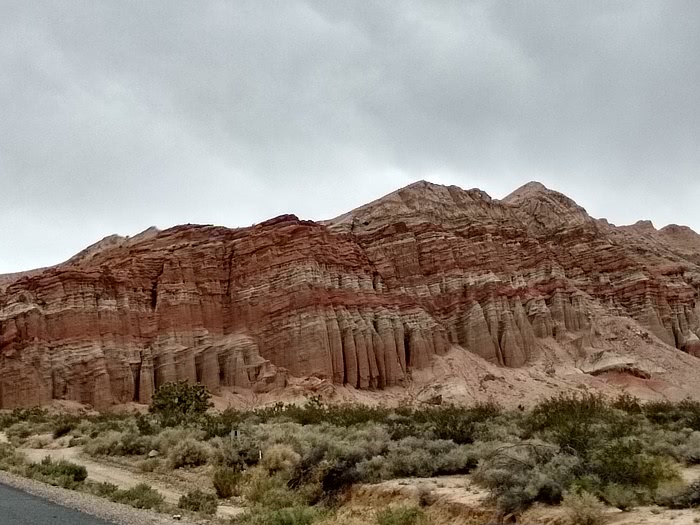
121 115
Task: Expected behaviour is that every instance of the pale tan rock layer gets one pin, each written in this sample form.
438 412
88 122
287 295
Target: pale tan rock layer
361 300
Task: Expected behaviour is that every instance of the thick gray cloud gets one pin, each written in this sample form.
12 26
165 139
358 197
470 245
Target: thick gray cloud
115 116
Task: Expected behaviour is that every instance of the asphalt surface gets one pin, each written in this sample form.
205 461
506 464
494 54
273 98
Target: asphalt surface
20 508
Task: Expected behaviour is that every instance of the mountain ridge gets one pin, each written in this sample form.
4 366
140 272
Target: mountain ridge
424 291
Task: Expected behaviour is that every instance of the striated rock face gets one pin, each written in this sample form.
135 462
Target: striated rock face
363 300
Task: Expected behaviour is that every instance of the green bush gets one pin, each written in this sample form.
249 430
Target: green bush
681 497
180 403
170 437
61 473
198 501
10 459
624 462
141 496
20 431
107 444
145 425
517 475
583 509
115 443
188 453
620 496
685 414
221 425
225 481
299 515
149 465
236 453
272 491
578 423
25 415
63 428
280 457
402 515
6 451
103 489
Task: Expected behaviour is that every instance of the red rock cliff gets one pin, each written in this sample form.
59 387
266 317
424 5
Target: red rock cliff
363 299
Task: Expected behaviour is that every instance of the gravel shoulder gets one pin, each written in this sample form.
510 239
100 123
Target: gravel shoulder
93 505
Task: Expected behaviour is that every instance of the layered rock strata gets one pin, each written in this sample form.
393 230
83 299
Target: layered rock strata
361 300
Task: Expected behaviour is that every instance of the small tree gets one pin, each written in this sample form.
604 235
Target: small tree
179 403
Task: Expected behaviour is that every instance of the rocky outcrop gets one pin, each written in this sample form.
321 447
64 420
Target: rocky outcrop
363 300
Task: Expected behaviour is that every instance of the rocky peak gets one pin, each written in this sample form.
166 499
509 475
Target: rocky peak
527 191
546 211
419 203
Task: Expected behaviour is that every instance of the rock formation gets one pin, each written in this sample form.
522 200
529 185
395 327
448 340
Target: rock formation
364 300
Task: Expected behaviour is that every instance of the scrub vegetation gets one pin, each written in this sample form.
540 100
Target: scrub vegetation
290 464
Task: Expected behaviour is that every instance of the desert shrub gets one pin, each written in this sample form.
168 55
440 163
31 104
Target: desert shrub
225 481
619 496
135 444
517 475
407 458
180 403
32 416
10 459
95 426
6 451
625 462
272 491
145 425
426 496
221 424
61 473
458 423
149 465
236 453
691 497
76 442
103 490
170 437
188 453
141 496
114 443
583 508
39 441
508 426
685 414
198 501
279 457
402 515
20 431
104 445
415 457
446 422
688 451
578 423
628 403
679 496
299 515
63 427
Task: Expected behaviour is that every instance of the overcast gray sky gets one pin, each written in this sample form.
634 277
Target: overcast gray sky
119 115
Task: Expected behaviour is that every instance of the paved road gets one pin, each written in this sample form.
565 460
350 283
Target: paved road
20 508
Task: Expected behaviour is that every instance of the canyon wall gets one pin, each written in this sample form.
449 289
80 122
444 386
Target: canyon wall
362 300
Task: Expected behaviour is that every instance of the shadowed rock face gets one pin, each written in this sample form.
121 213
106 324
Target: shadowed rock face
360 300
